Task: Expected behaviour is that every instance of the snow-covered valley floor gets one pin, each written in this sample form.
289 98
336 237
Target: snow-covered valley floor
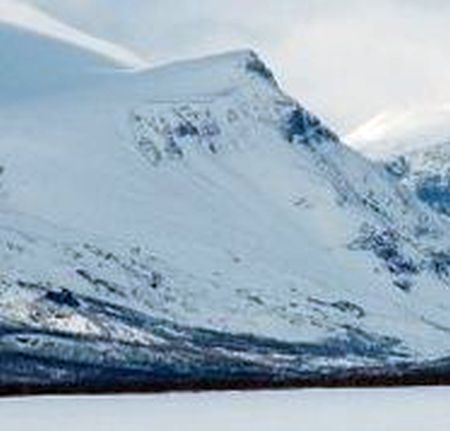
411 409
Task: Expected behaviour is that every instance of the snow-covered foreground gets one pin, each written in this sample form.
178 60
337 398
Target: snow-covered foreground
411 409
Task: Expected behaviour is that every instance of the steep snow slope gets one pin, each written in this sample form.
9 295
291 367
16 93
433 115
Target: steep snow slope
415 145
193 220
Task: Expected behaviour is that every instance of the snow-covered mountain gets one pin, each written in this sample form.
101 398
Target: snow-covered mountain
415 146
194 222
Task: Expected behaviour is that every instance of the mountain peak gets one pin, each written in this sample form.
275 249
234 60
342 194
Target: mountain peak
246 61
214 74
